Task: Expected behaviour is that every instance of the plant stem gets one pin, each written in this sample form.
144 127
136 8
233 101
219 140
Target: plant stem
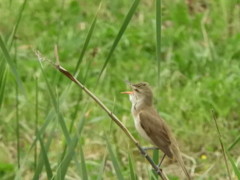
221 143
114 118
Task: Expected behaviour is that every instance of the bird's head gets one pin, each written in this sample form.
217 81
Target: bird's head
141 92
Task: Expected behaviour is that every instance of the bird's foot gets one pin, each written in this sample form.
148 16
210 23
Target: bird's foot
159 169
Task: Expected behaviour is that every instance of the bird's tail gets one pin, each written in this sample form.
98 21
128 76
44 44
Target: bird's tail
177 154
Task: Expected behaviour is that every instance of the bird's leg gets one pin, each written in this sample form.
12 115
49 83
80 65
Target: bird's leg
150 148
161 161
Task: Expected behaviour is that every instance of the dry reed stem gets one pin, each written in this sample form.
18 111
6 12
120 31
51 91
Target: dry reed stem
99 102
114 118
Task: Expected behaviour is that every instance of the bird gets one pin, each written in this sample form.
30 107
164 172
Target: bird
150 125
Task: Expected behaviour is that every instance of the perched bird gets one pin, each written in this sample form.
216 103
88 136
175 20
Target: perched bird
150 125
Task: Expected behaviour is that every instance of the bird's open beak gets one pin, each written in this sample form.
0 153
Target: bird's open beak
127 92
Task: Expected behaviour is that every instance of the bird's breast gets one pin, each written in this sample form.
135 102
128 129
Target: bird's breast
139 128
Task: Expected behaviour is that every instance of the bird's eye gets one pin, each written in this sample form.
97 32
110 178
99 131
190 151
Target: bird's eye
136 90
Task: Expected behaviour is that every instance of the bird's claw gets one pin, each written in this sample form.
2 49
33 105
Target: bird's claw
159 169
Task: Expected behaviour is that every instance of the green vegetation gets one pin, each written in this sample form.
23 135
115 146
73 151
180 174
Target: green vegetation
50 129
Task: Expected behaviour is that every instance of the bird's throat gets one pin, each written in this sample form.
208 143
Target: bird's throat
137 106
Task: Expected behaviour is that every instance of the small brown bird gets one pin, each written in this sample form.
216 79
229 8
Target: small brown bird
150 125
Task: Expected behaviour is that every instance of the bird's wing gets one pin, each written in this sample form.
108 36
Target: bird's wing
157 130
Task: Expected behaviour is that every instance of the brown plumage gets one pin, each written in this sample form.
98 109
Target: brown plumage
156 130
150 125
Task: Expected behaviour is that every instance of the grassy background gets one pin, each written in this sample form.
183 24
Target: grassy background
199 71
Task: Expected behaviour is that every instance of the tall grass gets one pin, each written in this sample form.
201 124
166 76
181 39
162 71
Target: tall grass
17 119
158 37
3 77
125 23
10 62
89 35
222 146
36 122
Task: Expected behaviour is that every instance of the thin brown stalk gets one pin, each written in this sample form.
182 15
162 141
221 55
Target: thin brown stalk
110 114
221 143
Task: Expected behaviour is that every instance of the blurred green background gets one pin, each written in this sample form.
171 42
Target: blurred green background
199 71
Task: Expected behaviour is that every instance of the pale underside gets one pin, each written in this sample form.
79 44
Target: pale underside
140 130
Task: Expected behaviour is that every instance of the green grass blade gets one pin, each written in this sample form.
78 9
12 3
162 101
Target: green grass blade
53 99
45 159
114 161
88 67
60 117
156 161
3 77
49 117
15 28
11 64
158 38
78 167
120 33
101 169
130 163
70 151
41 159
234 166
234 143
36 121
60 24
63 166
87 40
83 165
221 143
17 124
